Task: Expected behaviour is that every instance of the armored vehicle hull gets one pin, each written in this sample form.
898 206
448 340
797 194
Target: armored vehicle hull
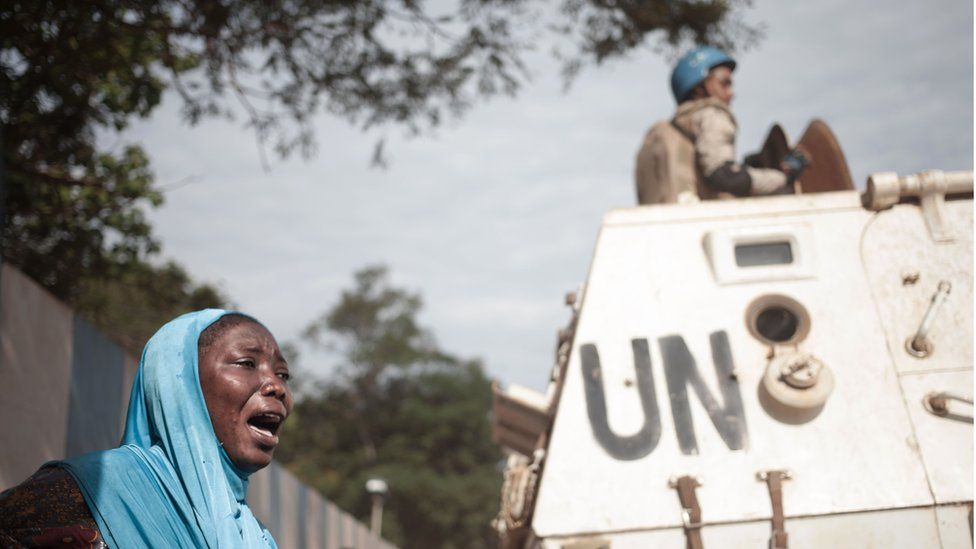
783 371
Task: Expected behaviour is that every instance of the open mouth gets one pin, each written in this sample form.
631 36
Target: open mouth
265 426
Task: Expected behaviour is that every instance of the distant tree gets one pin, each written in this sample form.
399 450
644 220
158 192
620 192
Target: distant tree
399 408
134 302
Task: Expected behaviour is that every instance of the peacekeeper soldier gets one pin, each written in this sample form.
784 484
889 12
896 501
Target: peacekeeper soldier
693 155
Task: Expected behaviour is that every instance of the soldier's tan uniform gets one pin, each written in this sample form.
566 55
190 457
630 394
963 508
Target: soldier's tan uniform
678 157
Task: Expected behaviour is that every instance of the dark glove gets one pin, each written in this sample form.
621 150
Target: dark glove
796 162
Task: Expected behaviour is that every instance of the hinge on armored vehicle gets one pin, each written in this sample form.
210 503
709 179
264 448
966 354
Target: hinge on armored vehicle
774 481
691 518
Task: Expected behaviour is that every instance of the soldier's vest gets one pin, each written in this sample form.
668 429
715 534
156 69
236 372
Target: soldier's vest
666 168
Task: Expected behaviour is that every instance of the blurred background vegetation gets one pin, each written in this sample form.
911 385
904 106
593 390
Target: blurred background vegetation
73 75
399 408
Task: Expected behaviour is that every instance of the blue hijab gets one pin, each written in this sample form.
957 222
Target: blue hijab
170 483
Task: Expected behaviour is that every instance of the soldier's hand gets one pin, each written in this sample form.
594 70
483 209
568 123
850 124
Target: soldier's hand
795 162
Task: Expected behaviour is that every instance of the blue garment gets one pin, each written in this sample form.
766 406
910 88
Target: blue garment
170 483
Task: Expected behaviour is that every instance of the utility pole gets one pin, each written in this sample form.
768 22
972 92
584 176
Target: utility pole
377 488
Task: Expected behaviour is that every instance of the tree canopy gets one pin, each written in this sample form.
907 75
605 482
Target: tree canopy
74 74
399 408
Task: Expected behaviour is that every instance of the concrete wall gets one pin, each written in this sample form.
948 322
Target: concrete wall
65 388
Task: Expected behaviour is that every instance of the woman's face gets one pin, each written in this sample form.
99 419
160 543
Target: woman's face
245 385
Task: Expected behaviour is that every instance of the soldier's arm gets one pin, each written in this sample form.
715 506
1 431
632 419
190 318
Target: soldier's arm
715 152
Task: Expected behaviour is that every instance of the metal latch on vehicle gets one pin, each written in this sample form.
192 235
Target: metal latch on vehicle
938 403
919 345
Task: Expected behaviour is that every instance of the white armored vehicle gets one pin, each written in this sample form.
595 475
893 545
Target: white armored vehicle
791 371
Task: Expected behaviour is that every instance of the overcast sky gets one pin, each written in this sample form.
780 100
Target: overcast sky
494 218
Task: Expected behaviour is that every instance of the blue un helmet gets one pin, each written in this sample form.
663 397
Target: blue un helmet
692 69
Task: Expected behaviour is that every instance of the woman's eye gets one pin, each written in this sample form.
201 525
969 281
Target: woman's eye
285 376
246 363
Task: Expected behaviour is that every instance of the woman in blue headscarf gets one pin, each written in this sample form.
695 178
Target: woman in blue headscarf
206 406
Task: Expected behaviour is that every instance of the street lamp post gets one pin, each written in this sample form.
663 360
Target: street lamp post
377 488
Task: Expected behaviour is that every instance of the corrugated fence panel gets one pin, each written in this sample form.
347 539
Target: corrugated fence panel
314 523
258 495
96 392
274 499
288 519
300 518
348 530
334 522
301 515
362 538
327 531
35 365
